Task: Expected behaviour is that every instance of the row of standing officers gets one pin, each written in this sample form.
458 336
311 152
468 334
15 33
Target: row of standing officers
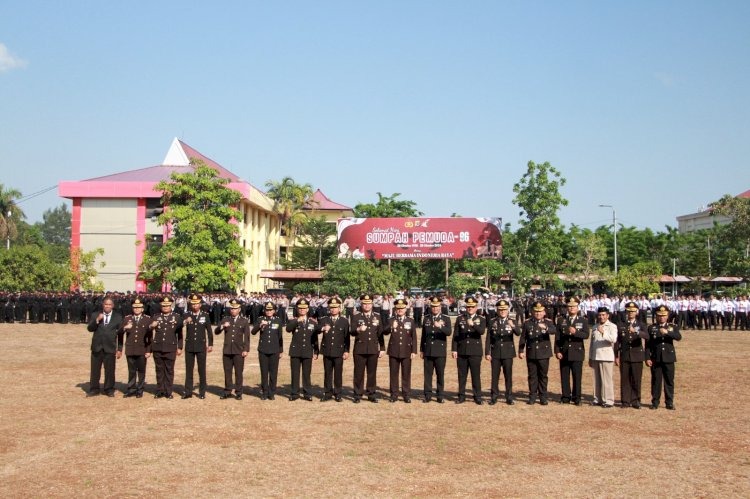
168 335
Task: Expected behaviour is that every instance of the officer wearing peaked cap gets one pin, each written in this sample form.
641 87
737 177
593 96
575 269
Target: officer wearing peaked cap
436 328
334 346
270 349
629 355
572 330
166 345
137 348
198 342
466 348
402 348
303 348
236 331
500 350
367 329
662 357
535 346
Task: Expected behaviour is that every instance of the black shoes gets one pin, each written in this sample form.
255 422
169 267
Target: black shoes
478 400
461 399
224 396
201 396
338 398
531 401
510 402
670 407
357 400
238 396
292 398
426 400
186 396
492 401
607 406
636 405
170 396
653 407
407 400
543 402
139 395
128 395
263 396
440 400
158 395
372 399
307 397
325 398
92 393
392 399
110 394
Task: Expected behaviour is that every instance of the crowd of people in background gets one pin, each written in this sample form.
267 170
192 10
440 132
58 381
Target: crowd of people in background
688 311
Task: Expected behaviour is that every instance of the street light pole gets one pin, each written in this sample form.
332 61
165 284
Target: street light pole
614 228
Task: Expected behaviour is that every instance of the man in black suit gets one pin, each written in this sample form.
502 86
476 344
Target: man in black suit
334 346
198 342
433 346
106 345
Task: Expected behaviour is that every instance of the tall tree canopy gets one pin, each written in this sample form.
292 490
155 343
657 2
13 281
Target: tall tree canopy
203 252
10 213
387 207
290 199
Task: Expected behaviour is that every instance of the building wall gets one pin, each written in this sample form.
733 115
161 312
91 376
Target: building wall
259 234
699 221
110 224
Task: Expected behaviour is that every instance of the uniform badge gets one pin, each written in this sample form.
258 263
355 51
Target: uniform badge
407 326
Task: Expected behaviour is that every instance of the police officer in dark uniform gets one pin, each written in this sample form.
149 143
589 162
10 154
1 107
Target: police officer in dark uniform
467 350
303 348
402 348
535 346
572 330
137 348
662 357
270 349
236 331
198 342
629 355
166 346
367 328
500 350
334 346
433 346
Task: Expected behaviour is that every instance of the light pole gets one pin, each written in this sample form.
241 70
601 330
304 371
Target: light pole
614 228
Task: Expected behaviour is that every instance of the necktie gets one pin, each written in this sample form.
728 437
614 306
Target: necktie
106 319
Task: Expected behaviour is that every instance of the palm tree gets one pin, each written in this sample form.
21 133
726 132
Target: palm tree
289 199
9 212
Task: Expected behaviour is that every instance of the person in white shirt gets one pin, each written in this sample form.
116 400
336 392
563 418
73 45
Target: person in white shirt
727 317
602 359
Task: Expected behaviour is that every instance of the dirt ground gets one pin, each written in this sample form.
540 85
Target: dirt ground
56 442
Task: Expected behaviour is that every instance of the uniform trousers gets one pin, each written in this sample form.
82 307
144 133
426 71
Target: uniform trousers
164 364
99 359
436 365
465 364
190 358
740 321
604 389
568 368
662 371
630 382
395 365
269 370
305 365
136 373
538 369
507 368
333 369
233 362
365 362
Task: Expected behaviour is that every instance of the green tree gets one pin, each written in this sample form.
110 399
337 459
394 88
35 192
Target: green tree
387 207
317 244
587 256
460 283
536 247
55 225
347 276
739 210
639 278
30 268
10 213
290 199
83 269
203 252
487 269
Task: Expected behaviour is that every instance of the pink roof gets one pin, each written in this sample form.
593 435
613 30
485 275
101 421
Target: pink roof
745 194
321 202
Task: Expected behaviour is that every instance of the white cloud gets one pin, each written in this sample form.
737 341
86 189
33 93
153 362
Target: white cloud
666 79
8 61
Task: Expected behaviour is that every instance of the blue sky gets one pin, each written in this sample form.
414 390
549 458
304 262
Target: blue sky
641 105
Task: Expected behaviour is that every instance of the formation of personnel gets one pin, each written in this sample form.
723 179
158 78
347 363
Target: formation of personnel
474 336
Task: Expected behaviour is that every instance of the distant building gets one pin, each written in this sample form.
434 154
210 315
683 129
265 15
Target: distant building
118 214
704 219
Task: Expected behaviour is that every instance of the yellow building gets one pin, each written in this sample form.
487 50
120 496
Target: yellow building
117 211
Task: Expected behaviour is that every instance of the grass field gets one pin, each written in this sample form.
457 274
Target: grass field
56 442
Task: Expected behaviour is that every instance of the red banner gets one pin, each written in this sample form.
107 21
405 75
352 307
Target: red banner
428 238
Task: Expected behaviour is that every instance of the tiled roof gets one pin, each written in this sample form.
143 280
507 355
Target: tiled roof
321 202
